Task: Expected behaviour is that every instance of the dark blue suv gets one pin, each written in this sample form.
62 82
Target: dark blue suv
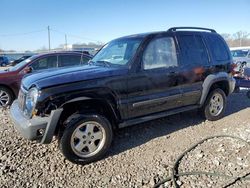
131 80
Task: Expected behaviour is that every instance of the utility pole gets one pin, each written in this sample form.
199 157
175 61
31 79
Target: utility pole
49 37
66 43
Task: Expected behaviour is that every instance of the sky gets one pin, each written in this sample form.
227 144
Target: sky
23 23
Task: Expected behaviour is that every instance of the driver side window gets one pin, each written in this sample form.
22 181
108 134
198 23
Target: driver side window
45 63
160 53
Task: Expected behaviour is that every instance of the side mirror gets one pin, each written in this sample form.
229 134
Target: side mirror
27 70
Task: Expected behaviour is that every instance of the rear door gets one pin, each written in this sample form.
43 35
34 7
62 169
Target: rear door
155 88
194 66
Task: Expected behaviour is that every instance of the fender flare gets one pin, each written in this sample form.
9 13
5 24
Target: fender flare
76 100
209 81
81 99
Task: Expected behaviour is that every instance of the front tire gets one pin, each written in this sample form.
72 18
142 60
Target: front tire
215 105
86 138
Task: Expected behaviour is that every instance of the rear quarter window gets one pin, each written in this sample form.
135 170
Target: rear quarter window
69 60
194 52
218 48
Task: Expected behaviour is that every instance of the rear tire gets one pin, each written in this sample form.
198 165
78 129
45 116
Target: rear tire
215 105
6 97
86 138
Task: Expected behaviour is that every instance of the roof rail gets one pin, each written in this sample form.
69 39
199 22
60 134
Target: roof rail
194 28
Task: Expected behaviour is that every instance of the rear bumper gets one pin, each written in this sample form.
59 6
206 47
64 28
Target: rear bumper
32 128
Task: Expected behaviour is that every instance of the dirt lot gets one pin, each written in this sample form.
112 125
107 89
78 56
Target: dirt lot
140 155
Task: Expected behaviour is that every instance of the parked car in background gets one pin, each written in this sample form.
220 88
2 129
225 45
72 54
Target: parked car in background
4 61
241 54
131 80
13 63
10 79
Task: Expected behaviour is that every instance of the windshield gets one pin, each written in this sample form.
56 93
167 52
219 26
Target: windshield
239 53
22 63
117 52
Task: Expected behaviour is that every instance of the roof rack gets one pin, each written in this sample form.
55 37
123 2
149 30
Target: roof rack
172 29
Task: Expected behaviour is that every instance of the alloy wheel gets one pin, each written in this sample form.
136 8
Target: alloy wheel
4 98
88 139
216 104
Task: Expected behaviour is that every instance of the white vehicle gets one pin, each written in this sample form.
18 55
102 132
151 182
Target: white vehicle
241 54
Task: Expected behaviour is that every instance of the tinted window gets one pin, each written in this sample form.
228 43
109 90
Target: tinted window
160 52
85 60
193 50
218 48
68 60
45 63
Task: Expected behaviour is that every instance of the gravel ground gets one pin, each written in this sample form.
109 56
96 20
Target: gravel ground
140 155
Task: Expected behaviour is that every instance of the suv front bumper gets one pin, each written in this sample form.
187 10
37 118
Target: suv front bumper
32 128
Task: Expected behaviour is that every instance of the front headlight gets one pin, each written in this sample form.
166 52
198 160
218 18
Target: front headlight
30 102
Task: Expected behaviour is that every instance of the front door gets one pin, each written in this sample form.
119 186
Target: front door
155 87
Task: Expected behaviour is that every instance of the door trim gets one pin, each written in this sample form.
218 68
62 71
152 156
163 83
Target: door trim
158 100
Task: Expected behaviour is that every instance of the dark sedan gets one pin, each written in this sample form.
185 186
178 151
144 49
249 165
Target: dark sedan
10 79
4 61
13 63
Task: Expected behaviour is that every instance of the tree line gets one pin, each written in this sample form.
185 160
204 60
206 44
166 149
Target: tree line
238 39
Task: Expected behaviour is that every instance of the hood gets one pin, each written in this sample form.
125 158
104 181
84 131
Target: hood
4 73
67 75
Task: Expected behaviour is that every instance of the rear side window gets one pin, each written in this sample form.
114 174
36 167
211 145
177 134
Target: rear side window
160 53
218 48
68 60
193 50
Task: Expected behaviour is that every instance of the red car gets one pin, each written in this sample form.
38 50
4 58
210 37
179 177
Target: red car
10 79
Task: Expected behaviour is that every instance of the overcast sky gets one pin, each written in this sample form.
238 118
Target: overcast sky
23 23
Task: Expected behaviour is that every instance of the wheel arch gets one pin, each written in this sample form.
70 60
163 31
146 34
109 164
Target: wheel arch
9 88
89 105
213 81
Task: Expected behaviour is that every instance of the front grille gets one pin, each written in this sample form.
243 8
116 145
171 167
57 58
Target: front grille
21 99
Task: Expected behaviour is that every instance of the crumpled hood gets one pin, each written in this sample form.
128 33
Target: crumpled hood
69 75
